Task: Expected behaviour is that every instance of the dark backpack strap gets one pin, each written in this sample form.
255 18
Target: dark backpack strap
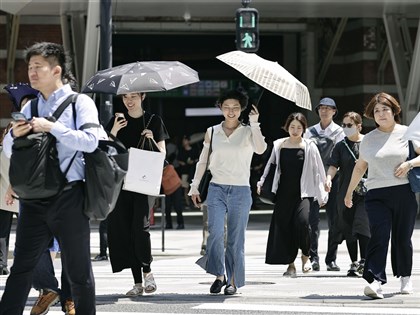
71 99
314 132
34 107
335 133
89 125
110 135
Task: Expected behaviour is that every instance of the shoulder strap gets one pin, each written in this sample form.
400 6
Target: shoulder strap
69 100
350 150
210 149
335 133
314 132
34 107
110 135
148 123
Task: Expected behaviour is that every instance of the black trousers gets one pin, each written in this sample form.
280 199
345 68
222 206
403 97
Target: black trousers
334 235
390 209
5 226
103 237
38 222
174 200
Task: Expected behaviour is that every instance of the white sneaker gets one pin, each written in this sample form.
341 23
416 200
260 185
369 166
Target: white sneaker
406 285
136 290
374 290
149 283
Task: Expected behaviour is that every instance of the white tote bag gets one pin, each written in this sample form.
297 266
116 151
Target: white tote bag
144 173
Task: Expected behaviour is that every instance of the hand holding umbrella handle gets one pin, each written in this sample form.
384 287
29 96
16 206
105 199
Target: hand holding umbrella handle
254 114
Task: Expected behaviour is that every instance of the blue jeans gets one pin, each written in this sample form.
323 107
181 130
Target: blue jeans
235 202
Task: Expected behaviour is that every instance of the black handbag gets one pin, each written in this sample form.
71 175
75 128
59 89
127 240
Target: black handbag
413 174
266 195
105 169
203 187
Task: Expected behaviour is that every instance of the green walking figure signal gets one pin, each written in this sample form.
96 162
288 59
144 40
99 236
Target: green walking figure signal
247 33
247 41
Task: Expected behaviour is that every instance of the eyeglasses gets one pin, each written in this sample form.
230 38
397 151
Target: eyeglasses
347 125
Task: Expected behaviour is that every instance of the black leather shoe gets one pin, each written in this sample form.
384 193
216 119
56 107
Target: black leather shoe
4 271
332 266
100 257
230 290
315 265
217 285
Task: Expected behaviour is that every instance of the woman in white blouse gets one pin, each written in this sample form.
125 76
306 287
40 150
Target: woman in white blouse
229 194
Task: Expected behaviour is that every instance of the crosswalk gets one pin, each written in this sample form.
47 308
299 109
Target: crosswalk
183 287
206 309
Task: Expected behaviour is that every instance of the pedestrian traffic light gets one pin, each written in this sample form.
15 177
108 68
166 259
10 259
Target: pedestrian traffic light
247 36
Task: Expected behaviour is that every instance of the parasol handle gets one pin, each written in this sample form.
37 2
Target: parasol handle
259 97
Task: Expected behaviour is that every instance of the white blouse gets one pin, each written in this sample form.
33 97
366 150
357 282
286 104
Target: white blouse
230 159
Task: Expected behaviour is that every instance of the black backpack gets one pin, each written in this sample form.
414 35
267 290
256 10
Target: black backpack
324 143
34 171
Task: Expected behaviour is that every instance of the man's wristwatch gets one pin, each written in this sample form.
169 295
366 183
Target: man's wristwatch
410 165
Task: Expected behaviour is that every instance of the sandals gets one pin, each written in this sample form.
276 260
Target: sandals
149 283
306 264
290 272
136 290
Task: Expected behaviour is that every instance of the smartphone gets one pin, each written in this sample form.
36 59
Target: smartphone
18 116
120 116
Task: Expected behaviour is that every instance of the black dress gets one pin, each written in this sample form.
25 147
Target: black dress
128 224
289 228
355 220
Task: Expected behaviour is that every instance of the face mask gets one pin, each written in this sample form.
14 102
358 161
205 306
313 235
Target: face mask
350 131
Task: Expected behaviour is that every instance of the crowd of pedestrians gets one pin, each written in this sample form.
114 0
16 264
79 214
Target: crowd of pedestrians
361 180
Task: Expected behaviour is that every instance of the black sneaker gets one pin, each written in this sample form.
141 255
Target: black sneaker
332 266
100 257
4 271
352 272
361 266
315 265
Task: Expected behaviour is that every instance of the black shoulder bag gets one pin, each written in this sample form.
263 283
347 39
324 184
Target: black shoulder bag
203 187
105 169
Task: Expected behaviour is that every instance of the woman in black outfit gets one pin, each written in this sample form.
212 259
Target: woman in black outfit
298 179
128 225
352 222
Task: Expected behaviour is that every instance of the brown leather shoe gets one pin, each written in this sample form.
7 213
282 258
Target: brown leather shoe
45 300
69 306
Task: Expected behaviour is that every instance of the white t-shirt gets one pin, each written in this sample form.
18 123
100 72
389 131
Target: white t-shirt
384 152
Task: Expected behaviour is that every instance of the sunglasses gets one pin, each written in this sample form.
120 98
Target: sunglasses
347 125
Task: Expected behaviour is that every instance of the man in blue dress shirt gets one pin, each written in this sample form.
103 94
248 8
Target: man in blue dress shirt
61 216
